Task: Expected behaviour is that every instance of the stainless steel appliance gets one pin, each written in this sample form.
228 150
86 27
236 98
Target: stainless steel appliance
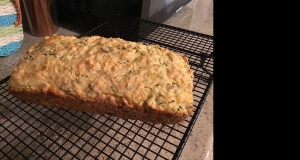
160 10
86 14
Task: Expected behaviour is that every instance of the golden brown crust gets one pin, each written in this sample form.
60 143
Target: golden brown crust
106 76
114 108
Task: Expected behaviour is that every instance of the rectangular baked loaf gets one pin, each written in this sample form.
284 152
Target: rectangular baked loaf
106 76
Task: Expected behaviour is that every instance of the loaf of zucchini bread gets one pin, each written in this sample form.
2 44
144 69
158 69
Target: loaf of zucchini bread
106 76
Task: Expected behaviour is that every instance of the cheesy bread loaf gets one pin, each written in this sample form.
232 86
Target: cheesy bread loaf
106 76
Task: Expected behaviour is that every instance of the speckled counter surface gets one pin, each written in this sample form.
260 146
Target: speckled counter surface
196 16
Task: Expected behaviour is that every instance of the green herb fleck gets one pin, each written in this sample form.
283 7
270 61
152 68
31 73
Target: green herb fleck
113 89
80 43
172 102
90 87
179 108
159 103
71 70
26 86
30 58
48 54
131 72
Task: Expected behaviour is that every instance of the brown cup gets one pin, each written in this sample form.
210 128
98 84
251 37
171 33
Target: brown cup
39 17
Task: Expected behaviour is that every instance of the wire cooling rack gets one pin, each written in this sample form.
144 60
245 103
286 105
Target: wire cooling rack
30 131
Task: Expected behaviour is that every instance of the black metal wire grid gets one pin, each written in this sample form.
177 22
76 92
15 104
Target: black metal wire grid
30 131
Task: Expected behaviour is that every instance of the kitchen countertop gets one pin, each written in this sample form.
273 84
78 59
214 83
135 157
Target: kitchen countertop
196 16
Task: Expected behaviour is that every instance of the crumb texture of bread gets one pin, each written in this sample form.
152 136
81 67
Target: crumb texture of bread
106 76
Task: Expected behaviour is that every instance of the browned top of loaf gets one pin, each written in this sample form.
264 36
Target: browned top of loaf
89 68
